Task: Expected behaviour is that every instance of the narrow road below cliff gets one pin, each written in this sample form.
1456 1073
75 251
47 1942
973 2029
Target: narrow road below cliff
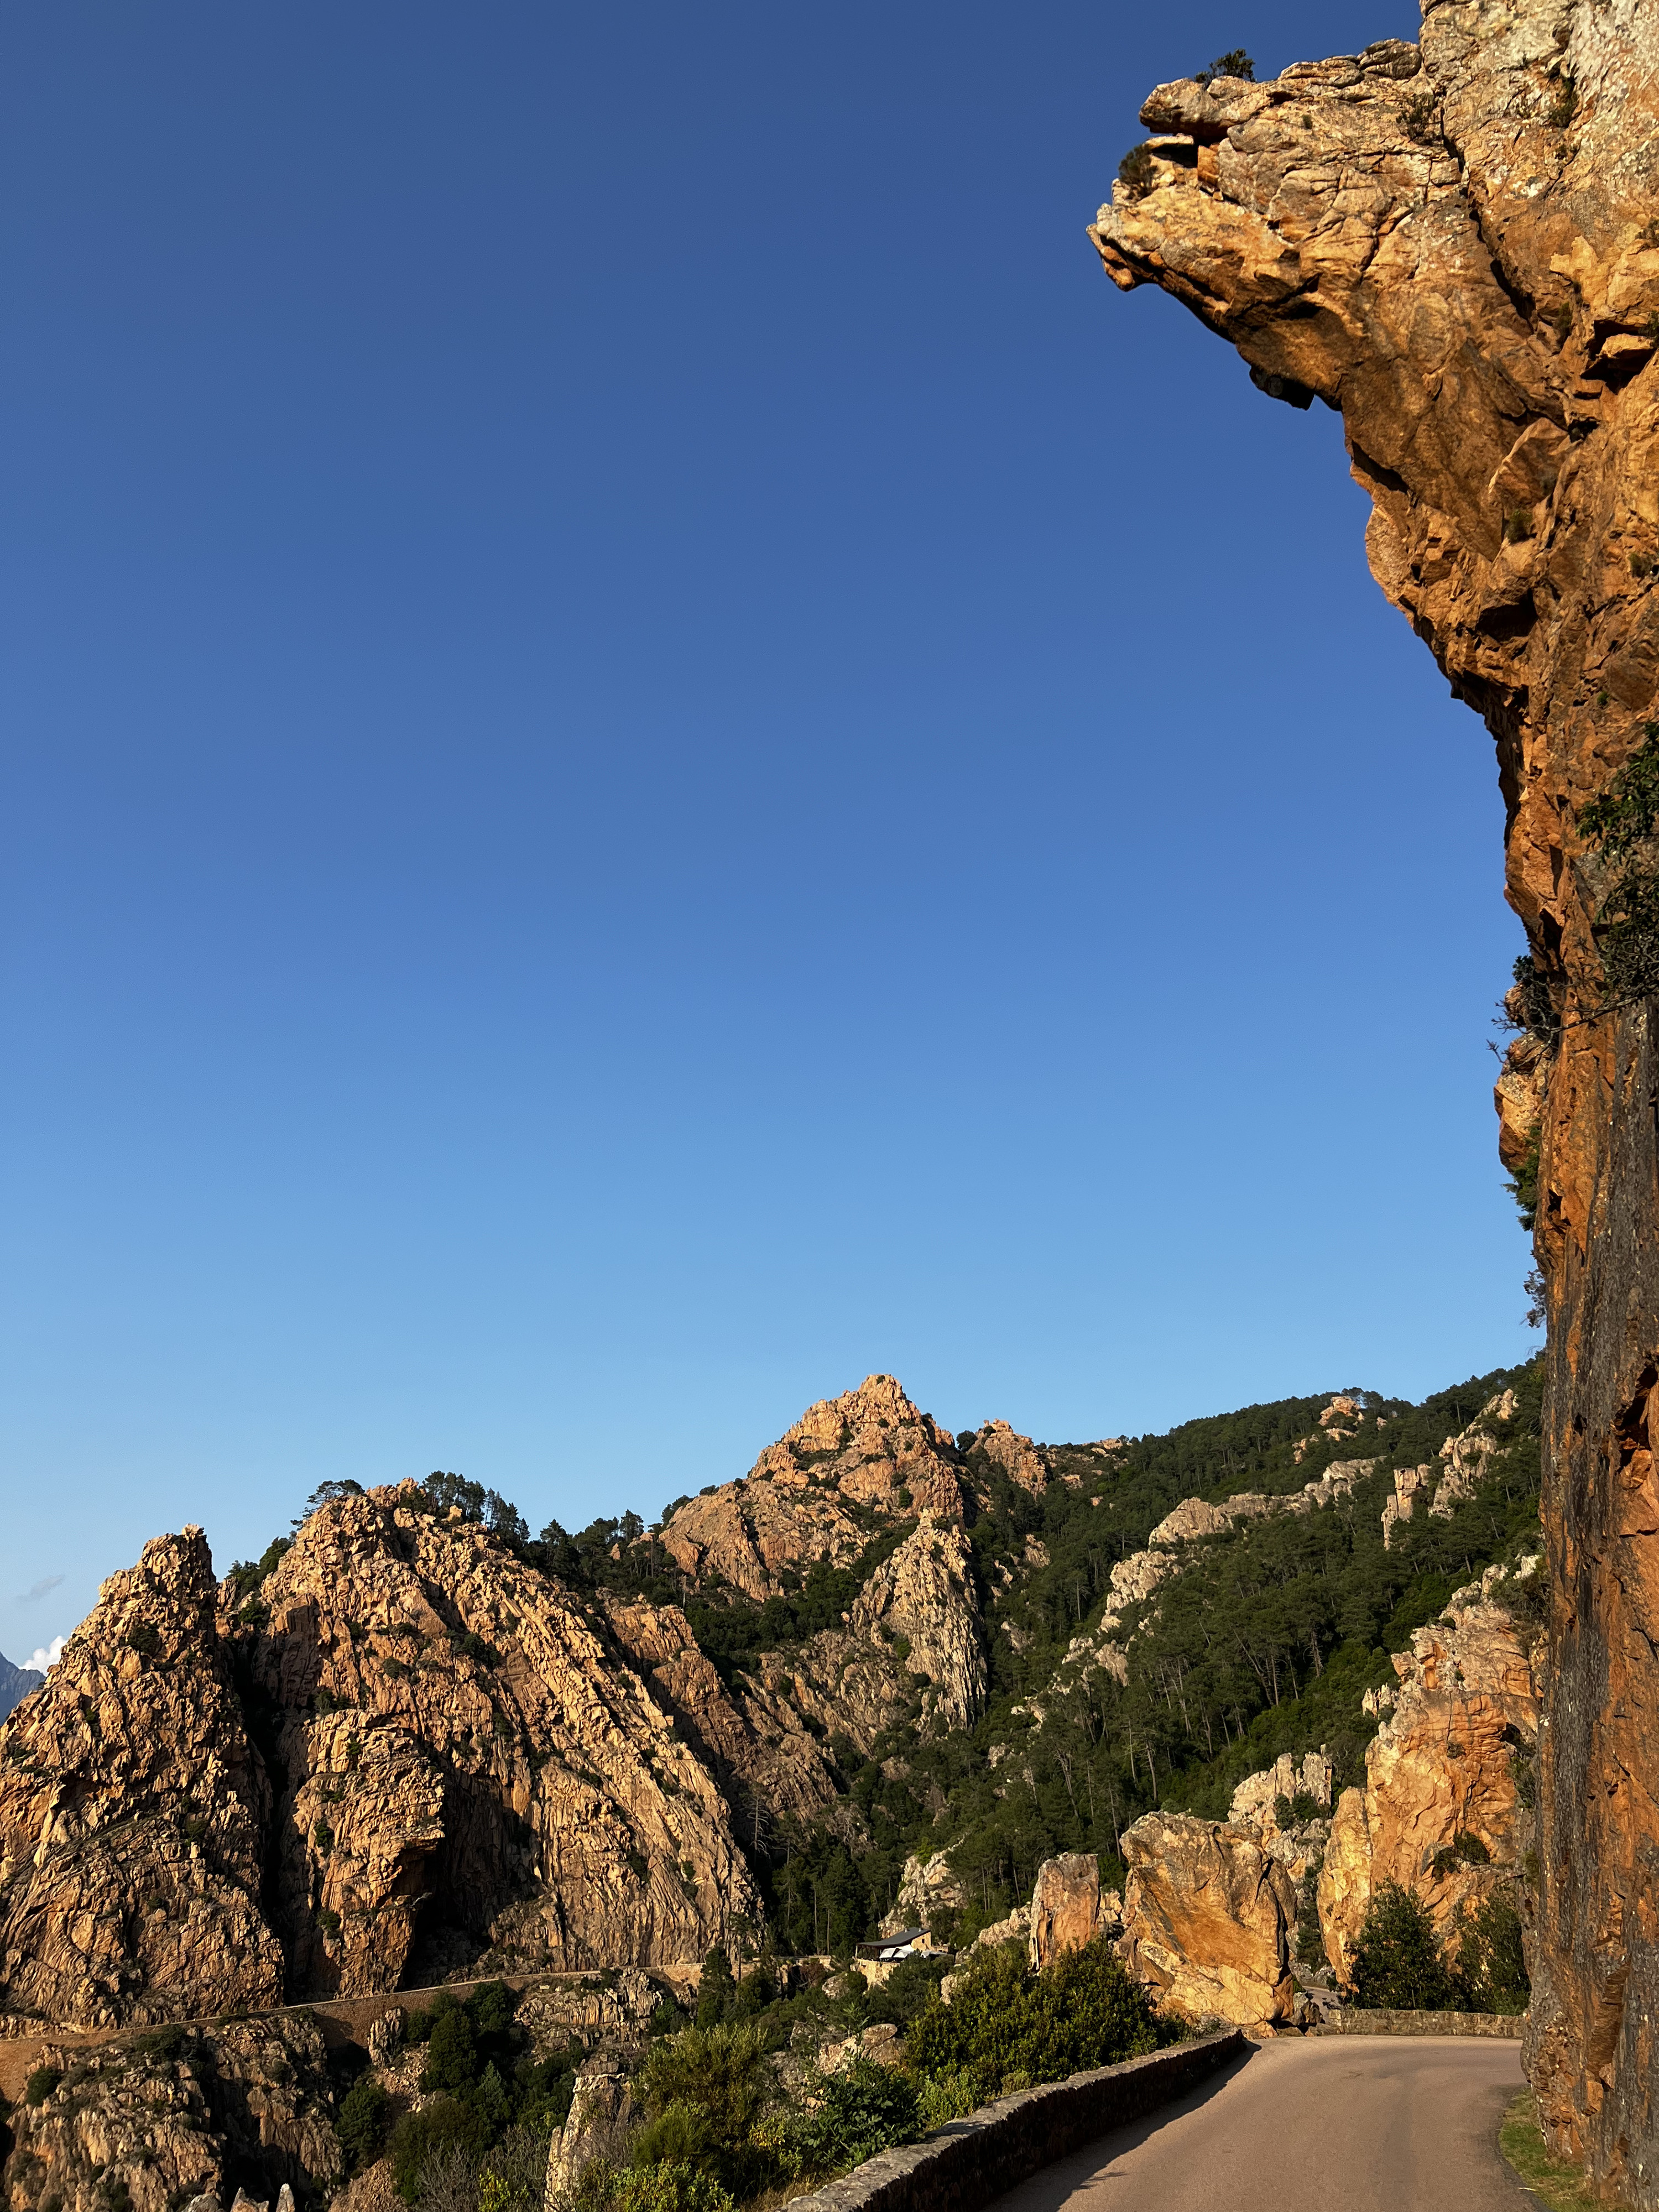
1336 2123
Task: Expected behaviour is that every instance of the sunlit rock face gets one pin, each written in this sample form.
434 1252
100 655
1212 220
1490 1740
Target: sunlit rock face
1455 244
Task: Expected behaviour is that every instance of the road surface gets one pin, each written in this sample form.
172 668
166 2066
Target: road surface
1324 2124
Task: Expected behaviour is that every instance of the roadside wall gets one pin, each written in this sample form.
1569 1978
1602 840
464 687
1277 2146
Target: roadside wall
1510 2027
966 2164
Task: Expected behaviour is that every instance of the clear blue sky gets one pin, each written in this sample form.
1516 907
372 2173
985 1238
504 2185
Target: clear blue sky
657 754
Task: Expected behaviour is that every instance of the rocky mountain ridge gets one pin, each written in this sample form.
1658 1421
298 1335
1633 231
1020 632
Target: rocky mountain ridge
404 1744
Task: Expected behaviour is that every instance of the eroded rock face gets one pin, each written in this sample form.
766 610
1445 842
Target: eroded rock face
1442 1770
244 2105
132 1807
1206 1921
1454 245
1068 1908
927 1887
870 1449
459 1743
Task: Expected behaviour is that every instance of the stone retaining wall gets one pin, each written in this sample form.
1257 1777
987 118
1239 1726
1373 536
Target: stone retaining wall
1509 2026
966 2164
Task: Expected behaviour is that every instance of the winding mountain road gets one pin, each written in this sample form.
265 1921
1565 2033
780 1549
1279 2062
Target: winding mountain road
1331 2123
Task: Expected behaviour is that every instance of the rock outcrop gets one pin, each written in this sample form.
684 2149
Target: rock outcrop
928 1888
1206 1920
133 1810
1068 1908
1441 1812
1455 244
422 1749
867 1456
170 2118
463 1758
1257 1796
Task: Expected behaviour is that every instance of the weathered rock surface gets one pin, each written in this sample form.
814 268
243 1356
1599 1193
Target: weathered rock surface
1068 1908
1206 1921
460 1763
927 1887
913 1643
244 2106
460 1748
812 1495
751 1739
1258 1795
1441 1771
132 1810
603 2112
1455 245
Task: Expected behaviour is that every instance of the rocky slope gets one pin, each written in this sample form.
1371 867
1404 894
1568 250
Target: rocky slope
1448 1770
418 1744
1455 244
159 2120
15 1683
850 1466
133 1812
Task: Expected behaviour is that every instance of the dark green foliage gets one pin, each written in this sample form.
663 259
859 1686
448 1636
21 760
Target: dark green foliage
1234 62
1397 1962
862 2110
143 1639
1137 171
1490 1963
1620 825
909 1992
451 2058
249 1575
716 1991
487 1507
1003 2020
41 2083
706 2091
326 1493
163 2045
445 2124
363 2122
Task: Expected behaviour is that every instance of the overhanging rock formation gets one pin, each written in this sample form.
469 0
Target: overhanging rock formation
1457 245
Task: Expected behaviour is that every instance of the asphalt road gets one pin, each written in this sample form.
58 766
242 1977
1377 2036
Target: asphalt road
1325 2124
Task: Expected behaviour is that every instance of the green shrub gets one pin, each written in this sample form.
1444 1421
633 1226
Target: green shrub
1082 2010
1489 1959
41 2083
946 2097
670 2186
143 1639
1397 1962
716 1991
444 2125
706 2092
363 2122
864 2109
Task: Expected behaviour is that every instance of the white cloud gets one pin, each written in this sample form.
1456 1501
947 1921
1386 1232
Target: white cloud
47 1656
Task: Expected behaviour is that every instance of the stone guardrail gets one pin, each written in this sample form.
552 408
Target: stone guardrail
968 2163
1509 2026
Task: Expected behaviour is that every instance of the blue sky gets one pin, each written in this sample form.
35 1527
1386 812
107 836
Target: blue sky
657 754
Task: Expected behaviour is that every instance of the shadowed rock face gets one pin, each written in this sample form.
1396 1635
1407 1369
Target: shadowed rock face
1454 245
